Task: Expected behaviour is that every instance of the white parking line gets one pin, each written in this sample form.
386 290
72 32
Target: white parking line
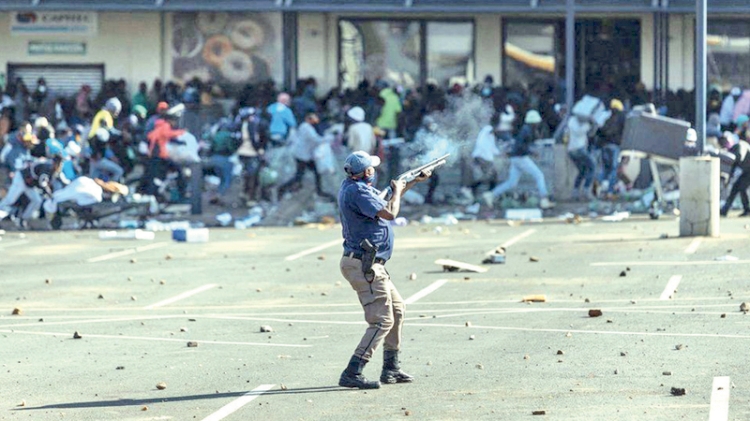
314 249
146 338
423 293
693 247
514 240
719 399
13 243
678 263
236 404
671 287
182 296
116 254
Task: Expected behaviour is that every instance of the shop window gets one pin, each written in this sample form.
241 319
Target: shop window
406 51
529 51
373 50
450 52
728 54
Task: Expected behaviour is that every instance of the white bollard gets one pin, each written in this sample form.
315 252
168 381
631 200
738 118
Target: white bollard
699 196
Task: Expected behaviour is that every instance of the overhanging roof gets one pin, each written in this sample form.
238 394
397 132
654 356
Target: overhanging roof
383 6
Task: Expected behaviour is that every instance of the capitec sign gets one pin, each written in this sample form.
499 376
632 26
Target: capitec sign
53 23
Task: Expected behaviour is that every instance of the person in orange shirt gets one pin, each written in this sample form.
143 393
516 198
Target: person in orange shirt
159 163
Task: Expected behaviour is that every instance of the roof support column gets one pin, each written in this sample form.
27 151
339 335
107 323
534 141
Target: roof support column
701 23
570 54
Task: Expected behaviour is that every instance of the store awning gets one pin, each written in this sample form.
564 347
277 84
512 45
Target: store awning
383 6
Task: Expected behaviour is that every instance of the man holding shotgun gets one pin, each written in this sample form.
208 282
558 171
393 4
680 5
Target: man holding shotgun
368 244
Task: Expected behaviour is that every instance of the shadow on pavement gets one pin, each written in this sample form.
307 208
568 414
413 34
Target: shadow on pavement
135 402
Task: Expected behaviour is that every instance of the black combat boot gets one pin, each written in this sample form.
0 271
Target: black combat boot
352 376
392 371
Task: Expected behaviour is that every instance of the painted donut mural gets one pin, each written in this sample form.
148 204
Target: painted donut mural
229 49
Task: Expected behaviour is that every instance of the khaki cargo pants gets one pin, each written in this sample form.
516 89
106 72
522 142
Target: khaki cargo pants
383 305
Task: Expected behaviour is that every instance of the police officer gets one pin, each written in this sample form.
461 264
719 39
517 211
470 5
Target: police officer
365 216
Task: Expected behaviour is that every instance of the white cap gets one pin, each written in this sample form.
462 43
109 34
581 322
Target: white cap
735 91
533 117
356 114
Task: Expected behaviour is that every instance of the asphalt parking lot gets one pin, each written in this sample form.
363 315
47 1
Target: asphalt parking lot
670 319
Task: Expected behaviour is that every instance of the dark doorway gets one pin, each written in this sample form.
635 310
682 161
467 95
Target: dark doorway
608 57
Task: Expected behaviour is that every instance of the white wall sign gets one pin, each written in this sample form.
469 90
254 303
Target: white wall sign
53 23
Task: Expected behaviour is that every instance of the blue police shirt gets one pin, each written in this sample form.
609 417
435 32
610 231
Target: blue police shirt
359 205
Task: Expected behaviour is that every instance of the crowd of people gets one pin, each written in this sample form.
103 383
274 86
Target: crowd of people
49 141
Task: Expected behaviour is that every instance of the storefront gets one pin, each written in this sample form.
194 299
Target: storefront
410 42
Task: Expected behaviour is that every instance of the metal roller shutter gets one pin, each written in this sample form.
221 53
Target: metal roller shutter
63 80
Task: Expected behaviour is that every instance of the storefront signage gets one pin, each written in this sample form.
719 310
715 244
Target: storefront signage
67 48
53 23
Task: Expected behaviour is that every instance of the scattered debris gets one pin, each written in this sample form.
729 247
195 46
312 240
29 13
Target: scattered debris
497 256
322 257
407 413
168 257
679 347
77 335
471 338
413 277
617 371
324 294
266 329
16 312
144 408
133 298
586 300
744 307
726 258
119 367
723 315
23 403
623 354
595 313
568 334
101 297
183 329
534 299
162 282
664 236
454 266
192 344
623 274
283 386
560 352
533 259
527 357
616 217
609 321
666 373
540 412
633 302
161 385
48 281
677 391
480 366
133 260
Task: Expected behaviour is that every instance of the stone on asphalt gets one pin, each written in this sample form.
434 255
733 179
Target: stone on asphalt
192 344
678 347
133 298
533 259
471 338
101 297
133 260
161 385
48 281
480 366
162 282
283 387
595 312
677 391
623 274
322 257
168 257
527 357
560 352
144 408
183 329
119 367
541 412
266 329
744 307
23 403
77 335
723 315
413 277
468 324
16 311
666 373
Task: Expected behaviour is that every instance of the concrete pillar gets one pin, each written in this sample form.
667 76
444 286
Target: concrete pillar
699 196
565 172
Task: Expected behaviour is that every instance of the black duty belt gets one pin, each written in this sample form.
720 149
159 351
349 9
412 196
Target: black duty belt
358 256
